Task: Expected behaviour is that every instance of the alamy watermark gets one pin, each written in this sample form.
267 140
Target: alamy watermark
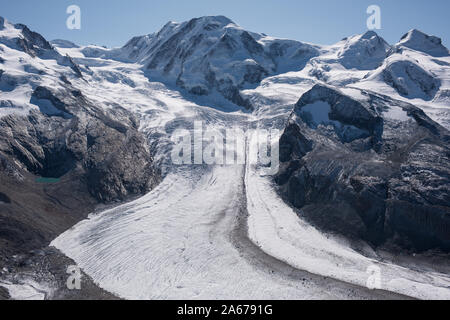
374 20
74 280
233 146
73 22
374 277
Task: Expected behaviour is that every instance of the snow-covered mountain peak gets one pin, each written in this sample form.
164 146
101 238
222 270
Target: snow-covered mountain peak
419 41
367 39
140 48
212 54
27 61
365 51
369 35
8 30
220 21
20 37
197 25
60 43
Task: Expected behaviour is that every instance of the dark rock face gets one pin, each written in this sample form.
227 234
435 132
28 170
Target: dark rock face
253 47
4 198
4 294
32 43
33 213
391 188
75 135
118 166
56 168
344 109
49 266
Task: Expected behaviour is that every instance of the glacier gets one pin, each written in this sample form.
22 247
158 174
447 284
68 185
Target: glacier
222 231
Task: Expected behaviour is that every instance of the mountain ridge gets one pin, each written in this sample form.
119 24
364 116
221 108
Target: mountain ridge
212 54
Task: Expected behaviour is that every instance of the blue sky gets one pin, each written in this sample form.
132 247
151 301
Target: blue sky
114 22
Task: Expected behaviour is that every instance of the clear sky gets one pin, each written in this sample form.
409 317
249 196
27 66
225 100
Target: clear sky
114 22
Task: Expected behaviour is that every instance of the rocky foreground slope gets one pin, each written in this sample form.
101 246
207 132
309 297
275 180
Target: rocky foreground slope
372 168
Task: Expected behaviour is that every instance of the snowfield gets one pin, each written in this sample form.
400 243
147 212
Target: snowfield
179 247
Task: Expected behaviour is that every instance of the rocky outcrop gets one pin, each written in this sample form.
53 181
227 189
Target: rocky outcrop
71 133
56 167
390 187
48 267
4 294
31 42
